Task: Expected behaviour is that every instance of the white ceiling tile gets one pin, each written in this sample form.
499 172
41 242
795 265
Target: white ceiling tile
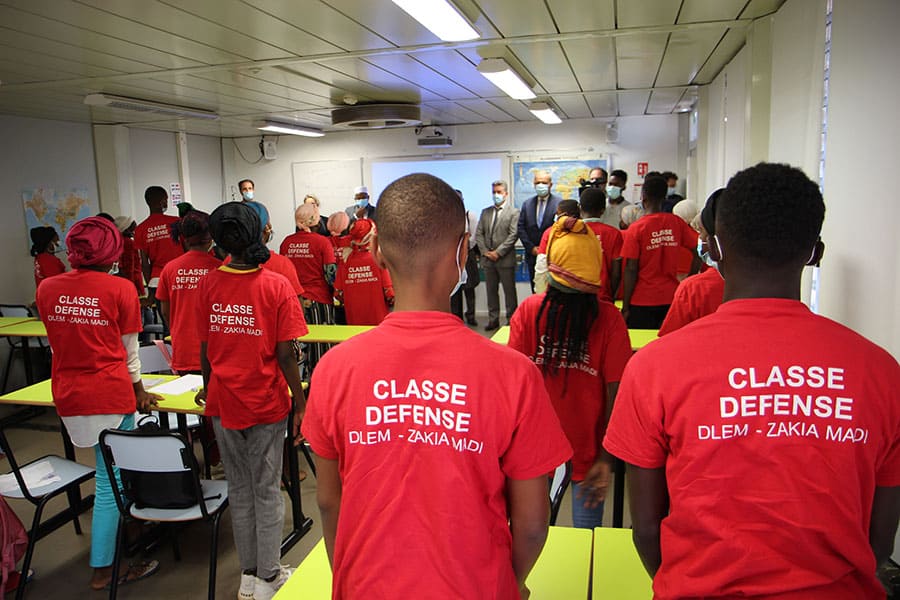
759 8
73 68
663 101
638 58
513 107
685 54
729 46
457 68
341 84
574 107
583 15
547 63
603 105
375 75
458 111
594 63
644 13
387 20
519 17
699 11
632 103
408 68
487 110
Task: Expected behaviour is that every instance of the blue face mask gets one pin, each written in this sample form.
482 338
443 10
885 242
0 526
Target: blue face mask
670 191
541 189
704 256
463 274
498 199
248 195
613 192
362 202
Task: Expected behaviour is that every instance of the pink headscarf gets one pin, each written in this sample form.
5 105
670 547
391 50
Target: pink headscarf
361 233
338 222
306 216
93 241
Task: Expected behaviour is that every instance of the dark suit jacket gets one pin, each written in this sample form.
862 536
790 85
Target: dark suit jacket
529 230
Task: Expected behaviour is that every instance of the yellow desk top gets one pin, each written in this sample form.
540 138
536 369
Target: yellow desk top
7 321
501 336
617 568
333 334
40 394
27 328
562 571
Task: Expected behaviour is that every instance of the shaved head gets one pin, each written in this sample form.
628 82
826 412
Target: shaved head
420 219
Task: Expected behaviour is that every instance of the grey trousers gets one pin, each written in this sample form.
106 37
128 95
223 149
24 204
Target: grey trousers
493 277
252 459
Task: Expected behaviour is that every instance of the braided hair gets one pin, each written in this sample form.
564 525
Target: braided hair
564 338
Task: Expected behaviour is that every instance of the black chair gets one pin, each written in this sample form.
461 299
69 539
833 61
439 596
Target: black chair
149 463
71 475
16 345
561 478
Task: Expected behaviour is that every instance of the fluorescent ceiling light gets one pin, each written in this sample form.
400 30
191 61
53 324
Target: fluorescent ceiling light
276 127
504 77
147 106
545 113
441 18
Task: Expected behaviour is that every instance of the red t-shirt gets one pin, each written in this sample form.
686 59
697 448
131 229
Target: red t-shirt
178 285
773 442
309 253
697 296
611 242
578 393
282 266
242 315
341 245
654 240
362 283
86 314
130 265
47 265
154 237
426 432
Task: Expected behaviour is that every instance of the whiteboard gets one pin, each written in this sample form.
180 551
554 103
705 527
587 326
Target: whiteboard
331 181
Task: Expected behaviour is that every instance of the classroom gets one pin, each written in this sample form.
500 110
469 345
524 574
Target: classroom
102 99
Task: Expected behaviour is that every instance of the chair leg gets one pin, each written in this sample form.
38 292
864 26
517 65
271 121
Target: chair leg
9 360
29 552
213 555
173 534
309 458
117 557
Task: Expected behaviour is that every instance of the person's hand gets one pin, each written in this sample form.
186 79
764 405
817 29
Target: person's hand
146 401
361 212
524 592
625 312
299 411
492 255
595 484
305 302
146 302
535 251
200 398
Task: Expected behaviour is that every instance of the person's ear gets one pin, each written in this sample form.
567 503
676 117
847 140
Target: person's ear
818 251
464 249
714 247
376 252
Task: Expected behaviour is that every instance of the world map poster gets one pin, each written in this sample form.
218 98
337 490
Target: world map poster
564 173
47 207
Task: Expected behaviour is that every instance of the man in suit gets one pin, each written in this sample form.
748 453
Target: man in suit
360 209
535 217
495 237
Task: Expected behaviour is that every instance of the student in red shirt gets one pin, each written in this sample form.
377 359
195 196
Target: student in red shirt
312 256
566 208
153 237
178 289
650 249
581 346
44 241
362 286
593 205
432 457
701 294
247 320
92 321
130 261
340 239
770 466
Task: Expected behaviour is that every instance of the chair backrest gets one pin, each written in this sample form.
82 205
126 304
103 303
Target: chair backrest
158 470
166 350
561 477
153 360
15 310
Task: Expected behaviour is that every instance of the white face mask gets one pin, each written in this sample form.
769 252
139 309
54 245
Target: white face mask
463 274
114 269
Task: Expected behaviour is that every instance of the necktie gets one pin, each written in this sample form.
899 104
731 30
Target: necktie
493 225
540 213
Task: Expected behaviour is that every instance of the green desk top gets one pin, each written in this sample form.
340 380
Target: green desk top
501 336
617 568
7 321
29 328
562 570
40 394
333 334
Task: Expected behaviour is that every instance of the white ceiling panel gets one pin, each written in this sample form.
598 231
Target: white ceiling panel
366 71
323 20
488 111
422 76
385 19
686 54
699 11
547 63
574 107
663 101
645 13
459 69
638 58
519 17
73 68
513 107
457 111
583 15
594 63
759 8
341 84
726 49
603 105
633 103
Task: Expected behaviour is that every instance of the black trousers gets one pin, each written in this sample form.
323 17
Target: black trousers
646 317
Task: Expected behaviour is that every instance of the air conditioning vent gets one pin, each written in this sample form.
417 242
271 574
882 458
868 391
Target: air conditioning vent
376 116
435 142
147 106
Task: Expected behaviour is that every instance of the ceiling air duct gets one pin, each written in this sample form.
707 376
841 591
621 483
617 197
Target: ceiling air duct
376 116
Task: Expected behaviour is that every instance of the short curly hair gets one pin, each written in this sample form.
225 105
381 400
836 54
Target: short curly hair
771 214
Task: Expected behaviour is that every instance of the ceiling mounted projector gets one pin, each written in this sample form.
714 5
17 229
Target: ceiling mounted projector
147 106
376 116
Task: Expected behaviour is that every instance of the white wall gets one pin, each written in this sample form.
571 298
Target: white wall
650 138
860 277
35 153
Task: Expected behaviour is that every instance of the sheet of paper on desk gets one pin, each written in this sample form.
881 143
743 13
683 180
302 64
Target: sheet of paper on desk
182 385
36 475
